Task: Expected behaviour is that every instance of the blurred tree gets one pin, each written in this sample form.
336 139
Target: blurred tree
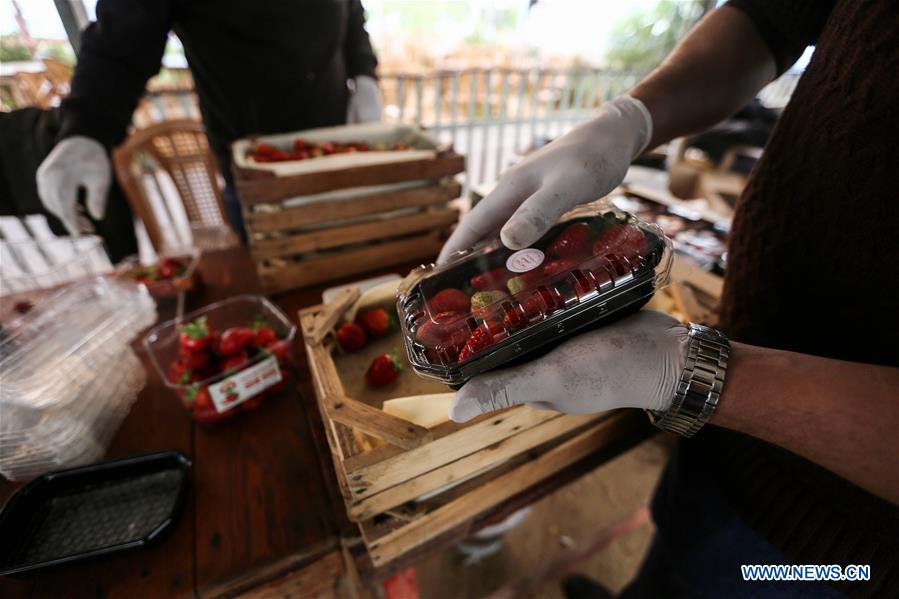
640 41
14 52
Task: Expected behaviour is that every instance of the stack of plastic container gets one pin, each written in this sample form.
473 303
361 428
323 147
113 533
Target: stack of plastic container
69 375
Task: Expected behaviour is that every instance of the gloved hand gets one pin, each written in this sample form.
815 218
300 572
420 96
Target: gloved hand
636 362
581 166
75 162
365 101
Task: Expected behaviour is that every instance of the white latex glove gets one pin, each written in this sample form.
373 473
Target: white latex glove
636 362
75 162
581 166
365 101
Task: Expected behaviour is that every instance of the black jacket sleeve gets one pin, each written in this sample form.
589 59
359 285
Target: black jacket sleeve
357 50
120 51
787 26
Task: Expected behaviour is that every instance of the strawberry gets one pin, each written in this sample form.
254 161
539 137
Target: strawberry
235 362
179 373
383 370
492 280
572 242
194 336
524 281
482 301
351 336
449 300
377 322
264 333
624 240
198 397
443 329
536 304
480 339
235 339
557 267
193 360
279 349
299 144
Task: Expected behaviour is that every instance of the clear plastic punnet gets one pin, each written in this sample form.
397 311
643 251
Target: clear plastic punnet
492 306
69 375
223 366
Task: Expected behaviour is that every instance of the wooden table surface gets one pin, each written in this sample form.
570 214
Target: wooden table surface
259 504
264 499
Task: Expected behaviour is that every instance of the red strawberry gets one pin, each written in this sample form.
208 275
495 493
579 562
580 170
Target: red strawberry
179 373
351 336
449 300
624 240
480 339
376 321
235 362
279 349
557 267
492 280
264 333
197 397
482 302
193 360
299 144
538 303
194 336
572 242
235 339
444 328
383 370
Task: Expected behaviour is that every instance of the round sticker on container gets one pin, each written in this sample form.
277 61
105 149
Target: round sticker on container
525 260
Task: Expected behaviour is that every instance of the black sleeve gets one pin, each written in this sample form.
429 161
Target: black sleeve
120 51
787 26
360 57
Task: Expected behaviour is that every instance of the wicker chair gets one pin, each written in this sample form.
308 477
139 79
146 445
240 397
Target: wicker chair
170 159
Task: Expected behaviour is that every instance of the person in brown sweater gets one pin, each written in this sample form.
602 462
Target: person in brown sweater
802 463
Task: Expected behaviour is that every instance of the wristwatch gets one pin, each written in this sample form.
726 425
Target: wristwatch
700 384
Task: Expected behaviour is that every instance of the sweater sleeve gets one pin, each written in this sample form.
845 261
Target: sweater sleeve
360 57
120 51
787 26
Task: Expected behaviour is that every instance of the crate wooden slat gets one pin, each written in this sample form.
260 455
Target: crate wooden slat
263 186
327 267
467 468
322 212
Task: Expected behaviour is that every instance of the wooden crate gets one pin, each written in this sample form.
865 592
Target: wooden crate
490 459
347 234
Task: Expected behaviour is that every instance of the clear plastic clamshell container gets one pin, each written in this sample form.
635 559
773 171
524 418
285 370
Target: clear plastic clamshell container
216 390
69 375
492 306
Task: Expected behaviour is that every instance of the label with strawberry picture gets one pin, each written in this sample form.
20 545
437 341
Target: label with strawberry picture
525 260
245 384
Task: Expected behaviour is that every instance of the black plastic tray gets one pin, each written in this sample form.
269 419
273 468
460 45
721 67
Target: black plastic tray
90 511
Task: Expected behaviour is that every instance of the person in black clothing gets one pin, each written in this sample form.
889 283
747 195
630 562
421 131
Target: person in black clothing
792 455
266 66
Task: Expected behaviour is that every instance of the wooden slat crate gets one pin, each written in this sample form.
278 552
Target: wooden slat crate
304 244
467 469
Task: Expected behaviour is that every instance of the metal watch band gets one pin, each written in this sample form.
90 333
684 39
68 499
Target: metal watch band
700 385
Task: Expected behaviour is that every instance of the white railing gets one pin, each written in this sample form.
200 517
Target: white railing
489 115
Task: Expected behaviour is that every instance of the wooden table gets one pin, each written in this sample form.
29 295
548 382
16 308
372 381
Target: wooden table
264 506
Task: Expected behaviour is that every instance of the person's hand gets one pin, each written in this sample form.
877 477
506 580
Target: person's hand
365 101
581 166
634 363
74 163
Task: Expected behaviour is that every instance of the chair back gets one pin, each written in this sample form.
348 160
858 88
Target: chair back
170 177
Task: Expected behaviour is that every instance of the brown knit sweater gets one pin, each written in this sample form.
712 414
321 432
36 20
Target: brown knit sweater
813 267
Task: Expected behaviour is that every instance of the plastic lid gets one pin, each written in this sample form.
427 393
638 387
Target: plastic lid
487 297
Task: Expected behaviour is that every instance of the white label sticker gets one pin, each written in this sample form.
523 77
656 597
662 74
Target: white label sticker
524 260
245 384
